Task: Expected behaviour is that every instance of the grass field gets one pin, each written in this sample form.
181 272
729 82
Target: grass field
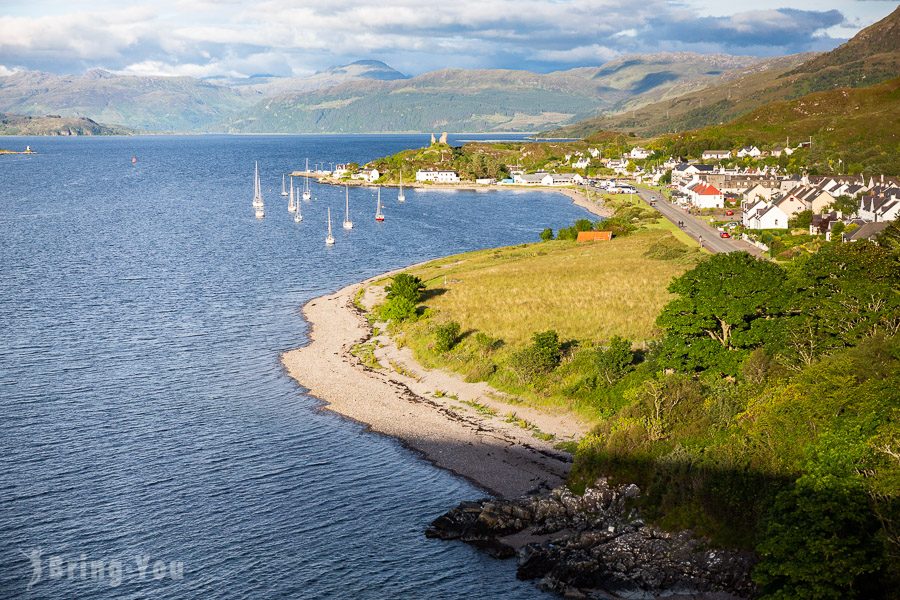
589 291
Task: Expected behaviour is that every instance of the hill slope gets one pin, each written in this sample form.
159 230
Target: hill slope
860 127
872 56
54 125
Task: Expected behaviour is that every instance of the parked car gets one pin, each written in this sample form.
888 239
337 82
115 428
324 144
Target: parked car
729 213
724 234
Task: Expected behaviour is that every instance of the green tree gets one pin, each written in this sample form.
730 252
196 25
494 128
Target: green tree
725 306
614 360
845 204
404 285
820 542
801 220
446 336
546 234
542 356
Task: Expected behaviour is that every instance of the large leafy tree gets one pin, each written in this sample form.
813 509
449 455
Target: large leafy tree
843 292
727 305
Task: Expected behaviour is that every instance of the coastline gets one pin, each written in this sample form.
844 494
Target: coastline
425 409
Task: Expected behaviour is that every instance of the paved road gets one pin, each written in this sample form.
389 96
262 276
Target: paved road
697 228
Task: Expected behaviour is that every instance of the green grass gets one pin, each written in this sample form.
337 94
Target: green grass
481 408
365 352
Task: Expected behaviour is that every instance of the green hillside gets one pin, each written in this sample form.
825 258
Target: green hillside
860 127
872 56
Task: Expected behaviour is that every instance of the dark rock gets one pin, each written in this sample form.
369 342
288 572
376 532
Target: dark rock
596 546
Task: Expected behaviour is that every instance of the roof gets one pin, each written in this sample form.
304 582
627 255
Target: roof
591 236
704 189
867 231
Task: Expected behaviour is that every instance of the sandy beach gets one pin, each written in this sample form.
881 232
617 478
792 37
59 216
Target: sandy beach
426 409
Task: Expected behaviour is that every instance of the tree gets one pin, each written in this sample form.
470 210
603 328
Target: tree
614 360
845 204
546 234
446 336
801 220
406 286
729 303
541 357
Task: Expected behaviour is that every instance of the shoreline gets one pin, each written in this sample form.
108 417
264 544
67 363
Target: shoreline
577 197
429 411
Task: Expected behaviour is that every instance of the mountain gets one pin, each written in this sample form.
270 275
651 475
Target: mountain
164 104
54 125
872 56
355 71
364 96
481 100
858 126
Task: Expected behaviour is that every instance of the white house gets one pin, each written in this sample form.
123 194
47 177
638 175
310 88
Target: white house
639 153
529 178
716 154
581 163
558 179
437 176
762 215
704 195
752 152
594 152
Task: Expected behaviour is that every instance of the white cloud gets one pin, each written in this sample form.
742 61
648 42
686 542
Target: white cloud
6 71
228 37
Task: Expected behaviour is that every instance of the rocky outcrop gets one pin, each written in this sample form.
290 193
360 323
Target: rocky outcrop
596 546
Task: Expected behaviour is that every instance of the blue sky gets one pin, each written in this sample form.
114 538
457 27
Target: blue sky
232 38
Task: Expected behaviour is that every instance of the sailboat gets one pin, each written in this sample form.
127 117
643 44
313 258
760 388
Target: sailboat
306 194
329 239
298 215
292 206
283 191
401 197
379 216
348 224
258 205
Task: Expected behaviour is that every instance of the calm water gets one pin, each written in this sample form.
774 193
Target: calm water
145 414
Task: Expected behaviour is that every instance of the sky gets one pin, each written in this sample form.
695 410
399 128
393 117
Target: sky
241 38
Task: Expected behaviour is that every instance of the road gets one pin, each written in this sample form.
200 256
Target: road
696 228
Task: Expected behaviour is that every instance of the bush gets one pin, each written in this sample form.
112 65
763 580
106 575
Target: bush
615 360
398 308
541 357
820 542
406 286
446 336
546 235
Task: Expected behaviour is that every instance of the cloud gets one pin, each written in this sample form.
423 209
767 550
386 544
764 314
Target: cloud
231 38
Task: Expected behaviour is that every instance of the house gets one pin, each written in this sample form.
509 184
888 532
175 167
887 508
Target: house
685 172
638 153
485 181
758 192
581 163
436 176
807 197
529 178
878 208
704 195
716 154
765 216
594 236
821 224
868 231
594 152
777 151
558 179
751 151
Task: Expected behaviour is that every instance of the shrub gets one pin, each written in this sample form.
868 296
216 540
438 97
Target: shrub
541 357
398 308
547 234
615 360
820 542
446 336
404 285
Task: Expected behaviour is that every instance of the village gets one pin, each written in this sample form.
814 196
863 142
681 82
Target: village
738 193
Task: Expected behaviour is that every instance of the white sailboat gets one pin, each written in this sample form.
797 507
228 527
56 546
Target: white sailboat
258 205
306 194
348 224
298 214
379 216
292 206
329 239
401 197
283 191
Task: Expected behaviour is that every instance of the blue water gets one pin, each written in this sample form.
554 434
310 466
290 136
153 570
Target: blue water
145 414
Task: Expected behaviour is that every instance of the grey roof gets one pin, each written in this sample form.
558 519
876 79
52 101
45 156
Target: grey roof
867 231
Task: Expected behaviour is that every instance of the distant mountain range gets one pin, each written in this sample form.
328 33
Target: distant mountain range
365 96
872 56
